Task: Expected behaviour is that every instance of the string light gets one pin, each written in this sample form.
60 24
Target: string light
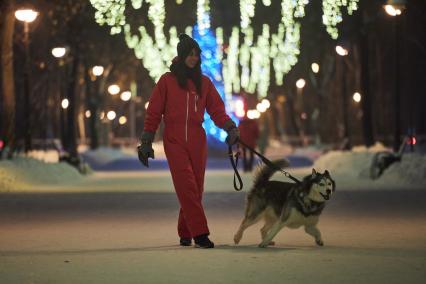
332 14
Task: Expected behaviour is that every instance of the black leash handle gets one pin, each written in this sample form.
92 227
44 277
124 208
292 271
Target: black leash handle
234 165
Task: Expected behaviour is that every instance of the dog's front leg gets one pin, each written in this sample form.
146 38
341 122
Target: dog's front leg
271 233
314 232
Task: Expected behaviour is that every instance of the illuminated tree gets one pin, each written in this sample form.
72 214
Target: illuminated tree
247 62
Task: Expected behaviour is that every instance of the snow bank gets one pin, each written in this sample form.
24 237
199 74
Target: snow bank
352 169
50 156
24 171
104 155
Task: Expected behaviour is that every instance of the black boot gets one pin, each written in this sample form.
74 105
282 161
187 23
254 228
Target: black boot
185 242
202 241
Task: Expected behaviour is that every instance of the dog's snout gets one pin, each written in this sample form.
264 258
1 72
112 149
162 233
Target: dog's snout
328 191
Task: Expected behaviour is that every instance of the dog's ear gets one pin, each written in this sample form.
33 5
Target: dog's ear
314 173
327 173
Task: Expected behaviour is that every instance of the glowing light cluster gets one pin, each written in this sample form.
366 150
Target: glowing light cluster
252 57
111 13
203 15
286 43
332 14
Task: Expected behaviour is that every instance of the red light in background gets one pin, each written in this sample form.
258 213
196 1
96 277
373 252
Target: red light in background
412 141
239 109
1 144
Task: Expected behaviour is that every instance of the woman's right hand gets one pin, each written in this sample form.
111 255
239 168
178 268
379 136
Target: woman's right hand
145 151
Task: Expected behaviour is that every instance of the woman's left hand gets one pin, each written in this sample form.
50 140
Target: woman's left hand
233 136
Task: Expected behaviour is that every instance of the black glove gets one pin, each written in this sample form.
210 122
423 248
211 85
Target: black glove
145 150
233 132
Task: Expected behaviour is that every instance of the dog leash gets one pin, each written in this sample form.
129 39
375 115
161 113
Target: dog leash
264 160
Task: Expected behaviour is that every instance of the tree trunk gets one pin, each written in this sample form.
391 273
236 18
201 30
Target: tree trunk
366 101
71 117
8 88
91 102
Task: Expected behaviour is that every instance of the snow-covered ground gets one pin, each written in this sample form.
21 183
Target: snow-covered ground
120 227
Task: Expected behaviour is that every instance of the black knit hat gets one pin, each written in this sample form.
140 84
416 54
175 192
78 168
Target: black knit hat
185 45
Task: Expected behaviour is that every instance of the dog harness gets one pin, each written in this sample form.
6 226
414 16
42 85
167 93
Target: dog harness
315 208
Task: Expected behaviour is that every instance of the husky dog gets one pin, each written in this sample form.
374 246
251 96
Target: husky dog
284 204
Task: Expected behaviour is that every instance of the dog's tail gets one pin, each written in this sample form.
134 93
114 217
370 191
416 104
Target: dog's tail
264 173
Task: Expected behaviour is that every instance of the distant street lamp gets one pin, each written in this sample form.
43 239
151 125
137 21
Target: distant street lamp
59 52
98 70
261 107
65 103
253 114
111 115
126 96
315 67
266 103
122 120
113 89
356 97
341 50
27 16
395 8
300 84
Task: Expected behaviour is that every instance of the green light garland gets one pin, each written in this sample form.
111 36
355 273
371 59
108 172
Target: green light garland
253 58
332 14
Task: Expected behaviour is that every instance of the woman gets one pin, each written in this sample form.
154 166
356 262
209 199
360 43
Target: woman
181 97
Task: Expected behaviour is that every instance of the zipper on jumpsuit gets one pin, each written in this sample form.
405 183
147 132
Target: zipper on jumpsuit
187 111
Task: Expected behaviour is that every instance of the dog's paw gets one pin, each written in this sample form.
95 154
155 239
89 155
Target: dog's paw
263 245
237 239
319 242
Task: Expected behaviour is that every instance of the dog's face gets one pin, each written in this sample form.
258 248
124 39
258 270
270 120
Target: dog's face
322 186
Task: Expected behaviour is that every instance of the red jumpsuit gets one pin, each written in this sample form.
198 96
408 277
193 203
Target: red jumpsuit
184 141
